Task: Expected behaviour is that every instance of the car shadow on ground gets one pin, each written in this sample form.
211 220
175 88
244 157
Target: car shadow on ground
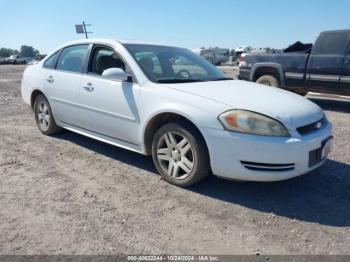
116 153
321 196
332 105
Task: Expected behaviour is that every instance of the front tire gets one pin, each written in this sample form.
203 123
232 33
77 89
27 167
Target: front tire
43 116
180 154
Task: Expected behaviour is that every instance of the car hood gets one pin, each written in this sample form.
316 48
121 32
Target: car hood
291 109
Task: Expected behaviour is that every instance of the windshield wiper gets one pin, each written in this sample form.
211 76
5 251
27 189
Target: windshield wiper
222 79
178 80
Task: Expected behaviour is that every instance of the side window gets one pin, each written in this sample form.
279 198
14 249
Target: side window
72 58
331 43
51 61
103 58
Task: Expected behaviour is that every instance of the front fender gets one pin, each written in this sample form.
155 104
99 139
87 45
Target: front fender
200 111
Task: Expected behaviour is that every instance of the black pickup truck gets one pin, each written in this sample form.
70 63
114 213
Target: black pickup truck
323 67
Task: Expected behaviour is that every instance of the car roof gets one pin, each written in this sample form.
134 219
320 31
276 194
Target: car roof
336 31
111 41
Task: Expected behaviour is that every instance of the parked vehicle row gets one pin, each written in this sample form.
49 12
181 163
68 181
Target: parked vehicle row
15 59
323 67
172 104
18 60
215 56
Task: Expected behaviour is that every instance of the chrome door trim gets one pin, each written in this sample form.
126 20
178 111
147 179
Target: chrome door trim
293 75
318 77
345 79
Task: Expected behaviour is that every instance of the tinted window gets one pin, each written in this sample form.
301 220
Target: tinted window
51 61
104 58
72 58
332 43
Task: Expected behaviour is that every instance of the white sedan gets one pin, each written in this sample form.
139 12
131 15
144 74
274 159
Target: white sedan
170 103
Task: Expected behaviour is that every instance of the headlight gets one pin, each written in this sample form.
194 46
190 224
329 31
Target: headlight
252 123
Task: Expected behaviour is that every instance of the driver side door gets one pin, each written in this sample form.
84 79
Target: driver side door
109 106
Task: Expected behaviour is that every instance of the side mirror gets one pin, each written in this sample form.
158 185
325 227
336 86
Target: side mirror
115 74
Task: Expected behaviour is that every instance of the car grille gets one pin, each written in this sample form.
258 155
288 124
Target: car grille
315 157
310 128
267 166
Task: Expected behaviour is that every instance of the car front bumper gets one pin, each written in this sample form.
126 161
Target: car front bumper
261 158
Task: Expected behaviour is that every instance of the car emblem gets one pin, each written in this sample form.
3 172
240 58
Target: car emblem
319 125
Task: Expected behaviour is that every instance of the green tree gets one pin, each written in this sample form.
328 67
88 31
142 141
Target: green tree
6 52
28 51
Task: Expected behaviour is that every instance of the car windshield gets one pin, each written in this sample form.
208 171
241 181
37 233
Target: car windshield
163 64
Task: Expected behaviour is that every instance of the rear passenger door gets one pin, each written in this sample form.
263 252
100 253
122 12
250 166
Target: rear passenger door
345 75
62 83
326 61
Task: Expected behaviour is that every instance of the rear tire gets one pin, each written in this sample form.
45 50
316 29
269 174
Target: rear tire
43 116
268 80
180 154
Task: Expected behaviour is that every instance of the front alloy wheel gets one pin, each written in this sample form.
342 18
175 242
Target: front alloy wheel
175 155
180 154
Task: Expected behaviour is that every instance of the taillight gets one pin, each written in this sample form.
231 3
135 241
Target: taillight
241 58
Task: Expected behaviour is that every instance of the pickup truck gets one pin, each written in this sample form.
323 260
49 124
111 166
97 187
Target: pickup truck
323 67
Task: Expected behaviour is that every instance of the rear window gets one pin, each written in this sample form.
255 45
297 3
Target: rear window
331 43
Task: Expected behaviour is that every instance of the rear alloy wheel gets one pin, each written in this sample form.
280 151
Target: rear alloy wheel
180 154
43 116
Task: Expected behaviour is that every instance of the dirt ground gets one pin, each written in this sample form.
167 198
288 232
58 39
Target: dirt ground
69 194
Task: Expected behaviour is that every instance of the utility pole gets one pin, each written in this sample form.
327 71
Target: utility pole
84 25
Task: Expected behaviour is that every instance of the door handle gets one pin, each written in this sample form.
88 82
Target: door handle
50 79
347 61
89 87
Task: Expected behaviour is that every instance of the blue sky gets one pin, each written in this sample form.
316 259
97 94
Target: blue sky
46 24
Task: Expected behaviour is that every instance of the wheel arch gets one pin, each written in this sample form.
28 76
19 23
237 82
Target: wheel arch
273 69
34 95
161 118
